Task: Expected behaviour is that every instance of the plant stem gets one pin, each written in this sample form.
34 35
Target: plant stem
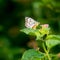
47 53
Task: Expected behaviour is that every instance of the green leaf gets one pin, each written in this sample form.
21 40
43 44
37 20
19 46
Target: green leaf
28 30
54 37
51 43
38 35
32 55
32 32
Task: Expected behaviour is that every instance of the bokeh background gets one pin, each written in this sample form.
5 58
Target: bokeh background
12 19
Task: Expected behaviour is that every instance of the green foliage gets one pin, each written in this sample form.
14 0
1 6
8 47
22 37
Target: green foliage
28 30
54 37
51 43
12 14
52 40
32 32
48 41
32 55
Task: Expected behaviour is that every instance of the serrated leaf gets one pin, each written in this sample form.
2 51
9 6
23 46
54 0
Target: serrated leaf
32 55
52 43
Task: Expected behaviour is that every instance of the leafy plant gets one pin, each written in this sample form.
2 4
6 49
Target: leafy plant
48 41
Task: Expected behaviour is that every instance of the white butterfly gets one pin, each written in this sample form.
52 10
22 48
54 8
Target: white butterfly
31 23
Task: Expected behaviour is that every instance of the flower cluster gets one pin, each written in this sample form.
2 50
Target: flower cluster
44 29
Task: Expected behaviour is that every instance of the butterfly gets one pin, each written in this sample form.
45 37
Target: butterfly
31 23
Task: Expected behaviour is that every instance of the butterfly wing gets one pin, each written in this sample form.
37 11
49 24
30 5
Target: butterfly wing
30 23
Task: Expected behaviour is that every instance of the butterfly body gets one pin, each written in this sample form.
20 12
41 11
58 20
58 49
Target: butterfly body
30 23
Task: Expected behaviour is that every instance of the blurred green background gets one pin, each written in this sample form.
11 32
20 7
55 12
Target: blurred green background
12 18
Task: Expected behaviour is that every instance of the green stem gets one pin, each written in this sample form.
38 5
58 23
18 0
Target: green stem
47 53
